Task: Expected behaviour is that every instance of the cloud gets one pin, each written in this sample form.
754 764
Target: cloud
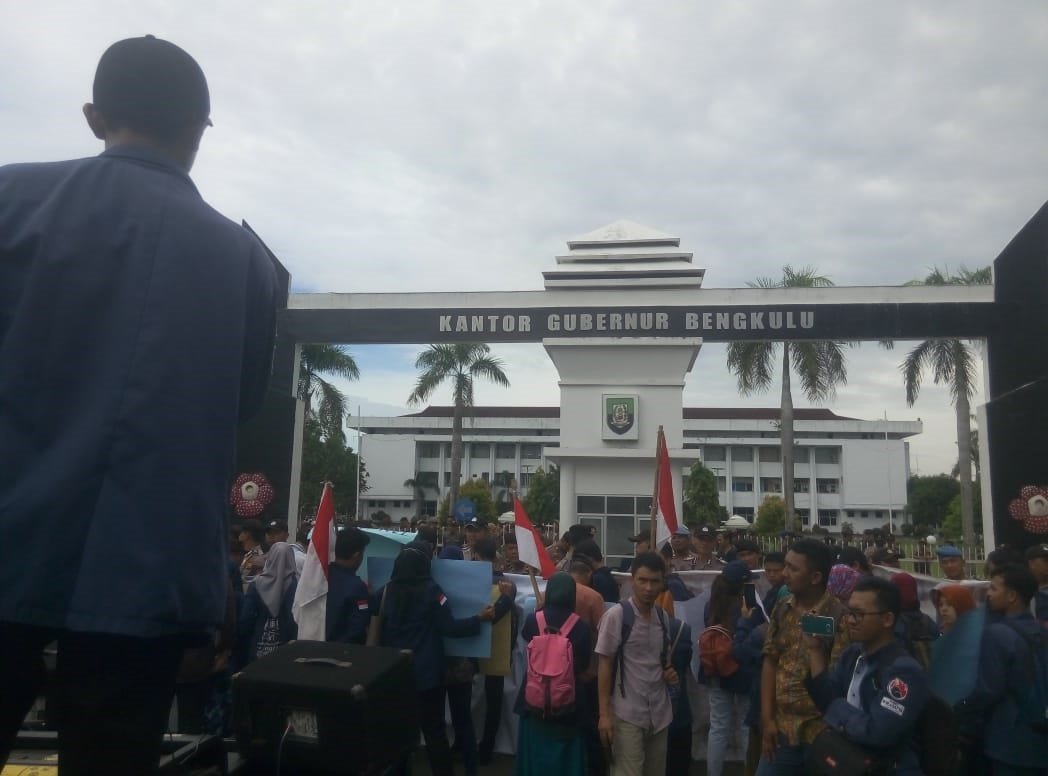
424 145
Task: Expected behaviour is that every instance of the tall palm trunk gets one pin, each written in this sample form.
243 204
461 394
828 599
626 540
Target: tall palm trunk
964 467
786 440
456 453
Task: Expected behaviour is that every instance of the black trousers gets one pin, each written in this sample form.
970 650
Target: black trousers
678 750
111 696
493 690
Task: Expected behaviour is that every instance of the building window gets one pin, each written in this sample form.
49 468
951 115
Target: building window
447 479
801 455
828 517
722 484
770 454
804 515
802 486
530 452
827 455
878 514
771 484
589 505
714 453
742 484
479 451
429 508
739 453
525 479
620 505
429 449
746 512
506 451
828 486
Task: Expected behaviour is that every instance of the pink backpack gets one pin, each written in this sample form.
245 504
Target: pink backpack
549 688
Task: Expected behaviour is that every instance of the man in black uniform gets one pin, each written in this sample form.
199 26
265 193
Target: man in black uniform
348 600
875 692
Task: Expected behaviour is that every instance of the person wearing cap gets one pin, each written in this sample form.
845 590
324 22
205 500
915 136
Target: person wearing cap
703 540
1037 562
951 561
641 544
680 544
276 531
136 332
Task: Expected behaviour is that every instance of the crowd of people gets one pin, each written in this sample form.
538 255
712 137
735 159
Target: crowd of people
870 679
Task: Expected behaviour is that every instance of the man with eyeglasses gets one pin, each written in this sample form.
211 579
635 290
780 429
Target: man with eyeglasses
876 690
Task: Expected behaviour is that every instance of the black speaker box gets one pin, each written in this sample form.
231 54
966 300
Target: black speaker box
319 707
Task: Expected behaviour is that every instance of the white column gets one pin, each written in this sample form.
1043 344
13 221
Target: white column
567 496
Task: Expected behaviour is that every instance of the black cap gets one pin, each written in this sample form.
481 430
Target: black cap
151 81
747 545
643 536
705 531
276 526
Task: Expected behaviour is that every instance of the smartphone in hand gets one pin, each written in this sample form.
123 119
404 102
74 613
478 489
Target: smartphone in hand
749 595
818 625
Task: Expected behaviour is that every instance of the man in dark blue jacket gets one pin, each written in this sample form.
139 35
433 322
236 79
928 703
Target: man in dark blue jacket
136 331
875 692
1006 672
348 610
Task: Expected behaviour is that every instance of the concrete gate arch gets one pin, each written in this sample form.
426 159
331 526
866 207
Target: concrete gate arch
626 282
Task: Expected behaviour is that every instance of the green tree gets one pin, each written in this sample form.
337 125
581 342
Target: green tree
820 366
952 363
771 516
325 403
701 501
328 458
479 493
952 525
543 499
929 497
460 365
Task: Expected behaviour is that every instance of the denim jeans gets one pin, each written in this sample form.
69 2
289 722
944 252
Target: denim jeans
727 711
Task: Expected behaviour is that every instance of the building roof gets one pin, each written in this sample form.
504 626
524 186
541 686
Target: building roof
690 413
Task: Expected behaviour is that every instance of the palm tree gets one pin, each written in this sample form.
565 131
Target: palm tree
819 365
419 484
330 408
952 362
459 364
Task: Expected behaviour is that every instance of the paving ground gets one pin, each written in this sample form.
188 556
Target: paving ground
503 766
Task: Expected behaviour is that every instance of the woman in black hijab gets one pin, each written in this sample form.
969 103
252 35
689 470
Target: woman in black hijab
415 615
547 746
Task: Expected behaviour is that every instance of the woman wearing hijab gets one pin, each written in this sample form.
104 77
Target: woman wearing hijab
545 746
265 619
955 654
842 581
414 614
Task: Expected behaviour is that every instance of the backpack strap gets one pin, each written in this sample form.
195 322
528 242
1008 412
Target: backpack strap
627 628
568 624
664 656
540 620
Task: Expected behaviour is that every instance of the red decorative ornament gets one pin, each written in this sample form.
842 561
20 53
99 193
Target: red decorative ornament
1031 509
251 494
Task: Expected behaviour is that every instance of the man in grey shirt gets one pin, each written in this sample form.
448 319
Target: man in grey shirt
633 678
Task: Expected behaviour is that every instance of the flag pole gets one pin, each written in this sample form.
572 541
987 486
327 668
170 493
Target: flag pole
655 493
535 587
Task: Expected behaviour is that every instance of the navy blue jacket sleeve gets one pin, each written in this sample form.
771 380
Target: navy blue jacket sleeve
833 682
991 682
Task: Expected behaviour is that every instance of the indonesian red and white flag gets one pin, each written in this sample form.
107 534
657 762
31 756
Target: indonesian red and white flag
530 548
666 517
310 607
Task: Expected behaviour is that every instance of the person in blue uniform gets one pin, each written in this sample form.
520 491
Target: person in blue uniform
415 614
348 600
875 692
993 713
136 332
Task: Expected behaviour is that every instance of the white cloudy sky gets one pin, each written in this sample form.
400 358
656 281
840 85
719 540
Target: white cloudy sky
386 145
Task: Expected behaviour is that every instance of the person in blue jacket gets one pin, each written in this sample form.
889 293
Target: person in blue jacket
875 692
136 333
414 614
1007 670
348 599
265 617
